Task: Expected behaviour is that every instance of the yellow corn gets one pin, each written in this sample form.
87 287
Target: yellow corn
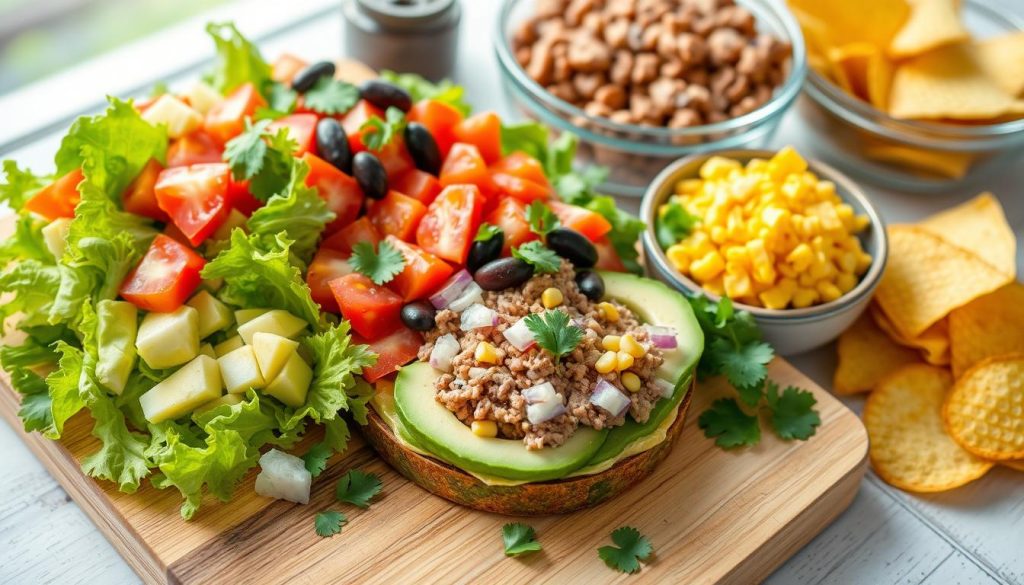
779 296
623 361
610 342
484 428
676 254
607 363
551 297
828 291
486 353
737 284
631 381
846 282
804 297
707 267
608 311
630 345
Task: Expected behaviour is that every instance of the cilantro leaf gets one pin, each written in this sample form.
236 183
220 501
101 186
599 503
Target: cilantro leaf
745 365
542 258
379 133
732 427
420 88
519 539
632 548
316 458
281 101
245 152
542 220
381 266
331 96
357 488
486 232
329 523
553 332
673 224
792 413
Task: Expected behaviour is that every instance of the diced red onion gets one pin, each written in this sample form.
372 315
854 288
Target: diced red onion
662 337
451 290
544 411
665 388
476 316
520 336
445 349
609 398
471 295
541 393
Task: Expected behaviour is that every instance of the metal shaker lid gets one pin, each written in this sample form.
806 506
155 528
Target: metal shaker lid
405 14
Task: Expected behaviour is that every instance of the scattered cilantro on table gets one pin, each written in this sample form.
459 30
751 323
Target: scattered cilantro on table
541 219
316 458
729 424
673 224
486 232
331 96
543 259
357 488
553 332
381 266
792 413
632 548
519 539
329 523
378 133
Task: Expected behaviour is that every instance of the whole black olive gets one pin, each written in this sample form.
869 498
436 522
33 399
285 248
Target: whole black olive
332 144
385 95
370 174
307 78
481 253
573 246
419 315
423 148
590 284
503 273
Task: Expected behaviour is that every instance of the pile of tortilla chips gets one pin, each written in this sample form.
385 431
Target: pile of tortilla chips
942 351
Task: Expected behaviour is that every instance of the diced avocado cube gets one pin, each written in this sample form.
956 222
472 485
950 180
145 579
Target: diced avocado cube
213 314
55 235
277 322
202 97
240 370
194 384
169 339
179 118
117 326
236 219
228 345
207 349
272 352
291 385
229 399
243 316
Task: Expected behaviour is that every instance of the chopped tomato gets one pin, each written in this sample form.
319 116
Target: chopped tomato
510 216
372 309
240 197
464 165
607 257
520 188
139 198
59 198
519 164
353 121
165 277
340 191
395 158
483 131
361 230
172 231
451 223
440 118
226 119
423 274
301 128
591 224
285 67
393 352
397 215
326 266
417 184
196 198
193 149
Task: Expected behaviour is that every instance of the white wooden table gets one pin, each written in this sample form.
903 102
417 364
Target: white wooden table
971 535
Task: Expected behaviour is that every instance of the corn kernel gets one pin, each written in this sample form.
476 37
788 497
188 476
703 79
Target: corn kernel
608 311
719 235
630 345
484 428
847 262
804 297
707 267
607 363
631 381
737 284
551 297
788 161
676 254
486 353
828 291
718 167
623 361
846 282
860 223
863 262
714 286
610 342
779 296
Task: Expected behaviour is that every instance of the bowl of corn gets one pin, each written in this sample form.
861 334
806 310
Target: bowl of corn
794 242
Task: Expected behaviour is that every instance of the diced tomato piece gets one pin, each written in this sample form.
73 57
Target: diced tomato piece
326 266
353 121
193 149
165 277
607 257
172 231
240 197
139 198
519 164
483 131
360 230
464 165
285 67
301 128
397 215
591 224
395 158
423 274
417 184
59 198
519 187
393 352
440 118
226 119
372 309
340 191
510 216
451 223
195 197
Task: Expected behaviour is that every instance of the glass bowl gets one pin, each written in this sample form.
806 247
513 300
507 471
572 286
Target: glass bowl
635 154
911 155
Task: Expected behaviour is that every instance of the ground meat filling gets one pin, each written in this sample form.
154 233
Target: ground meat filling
493 392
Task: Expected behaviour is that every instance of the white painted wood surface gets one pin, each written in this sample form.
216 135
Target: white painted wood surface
971 535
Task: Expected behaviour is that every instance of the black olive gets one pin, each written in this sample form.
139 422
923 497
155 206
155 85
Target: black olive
423 148
370 174
573 246
307 78
590 284
481 253
385 95
332 144
419 315
503 273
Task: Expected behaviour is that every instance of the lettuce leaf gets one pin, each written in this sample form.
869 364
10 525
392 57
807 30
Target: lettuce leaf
421 88
26 243
300 213
238 60
21 361
34 286
65 397
19 185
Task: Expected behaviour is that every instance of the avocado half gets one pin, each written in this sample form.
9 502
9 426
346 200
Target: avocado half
431 447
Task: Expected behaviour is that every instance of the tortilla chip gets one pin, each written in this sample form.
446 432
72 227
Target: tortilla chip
854 59
1002 58
985 411
870 21
927 277
952 165
987 326
879 80
909 448
979 226
931 24
866 356
1018 464
932 345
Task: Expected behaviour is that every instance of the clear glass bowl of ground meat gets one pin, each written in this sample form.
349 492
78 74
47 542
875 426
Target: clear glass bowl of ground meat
644 82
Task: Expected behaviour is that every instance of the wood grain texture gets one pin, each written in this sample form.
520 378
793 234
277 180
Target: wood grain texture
744 514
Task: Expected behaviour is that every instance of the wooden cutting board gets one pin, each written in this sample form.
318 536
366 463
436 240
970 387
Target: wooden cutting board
712 516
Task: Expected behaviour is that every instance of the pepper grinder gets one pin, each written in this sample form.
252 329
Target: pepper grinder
407 36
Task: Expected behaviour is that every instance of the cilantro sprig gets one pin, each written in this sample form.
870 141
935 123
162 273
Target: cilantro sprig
378 133
262 158
329 522
673 224
380 266
542 258
486 232
358 488
519 539
316 458
331 96
541 219
632 548
554 332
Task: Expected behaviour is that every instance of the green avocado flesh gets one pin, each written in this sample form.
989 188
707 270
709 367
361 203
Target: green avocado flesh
429 426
